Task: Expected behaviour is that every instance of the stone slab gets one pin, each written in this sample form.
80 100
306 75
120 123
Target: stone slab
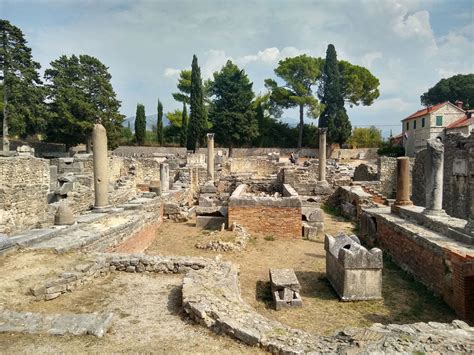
284 278
210 222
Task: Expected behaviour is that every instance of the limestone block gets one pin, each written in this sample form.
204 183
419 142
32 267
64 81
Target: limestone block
5 242
208 189
316 215
64 215
210 222
312 231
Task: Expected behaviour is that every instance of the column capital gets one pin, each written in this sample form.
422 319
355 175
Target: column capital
323 130
210 136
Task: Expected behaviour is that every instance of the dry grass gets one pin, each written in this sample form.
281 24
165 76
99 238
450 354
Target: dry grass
405 301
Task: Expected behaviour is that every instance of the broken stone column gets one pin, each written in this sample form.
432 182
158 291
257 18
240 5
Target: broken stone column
434 165
164 178
322 157
64 215
210 156
403 182
101 166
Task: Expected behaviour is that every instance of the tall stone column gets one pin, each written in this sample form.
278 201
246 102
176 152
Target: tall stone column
403 182
322 157
434 165
210 156
101 166
164 178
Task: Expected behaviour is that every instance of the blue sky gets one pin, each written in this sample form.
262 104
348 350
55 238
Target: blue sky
408 44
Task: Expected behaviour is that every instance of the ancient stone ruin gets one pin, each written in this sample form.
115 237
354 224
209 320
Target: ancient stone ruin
354 272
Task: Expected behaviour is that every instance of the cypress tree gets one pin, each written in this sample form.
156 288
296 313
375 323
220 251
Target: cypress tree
140 125
261 125
184 127
159 124
197 122
334 116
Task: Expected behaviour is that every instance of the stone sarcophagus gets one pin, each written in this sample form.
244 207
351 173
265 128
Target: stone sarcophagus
354 272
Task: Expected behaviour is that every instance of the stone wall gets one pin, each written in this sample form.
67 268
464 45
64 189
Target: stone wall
358 153
457 176
280 217
258 167
443 265
24 186
365 172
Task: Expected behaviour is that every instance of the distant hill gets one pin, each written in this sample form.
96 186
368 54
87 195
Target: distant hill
150 122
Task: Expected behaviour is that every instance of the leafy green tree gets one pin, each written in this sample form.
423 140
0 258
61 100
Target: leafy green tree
23 109
159 124
458 87
198 121
175 117
184 87
127 135
262 125
359 86
183 135
365 138
80 93
231 112
140 125
300 75
334 115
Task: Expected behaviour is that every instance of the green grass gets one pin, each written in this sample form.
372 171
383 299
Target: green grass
269 238
330 210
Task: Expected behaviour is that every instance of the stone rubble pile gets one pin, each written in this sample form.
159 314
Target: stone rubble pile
240 243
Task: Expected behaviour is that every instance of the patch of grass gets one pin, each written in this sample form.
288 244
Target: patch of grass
330 210
356 229
269 238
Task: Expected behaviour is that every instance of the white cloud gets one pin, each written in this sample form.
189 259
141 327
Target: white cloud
213 61
369 58
171 72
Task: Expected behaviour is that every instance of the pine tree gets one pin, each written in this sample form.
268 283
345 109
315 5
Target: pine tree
23 109
159 124
198 121
231 113
140 125
184 127
334 116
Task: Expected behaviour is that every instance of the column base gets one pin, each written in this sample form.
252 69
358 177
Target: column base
438 213
102 209
322 183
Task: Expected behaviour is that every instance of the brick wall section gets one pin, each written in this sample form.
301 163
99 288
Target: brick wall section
283 222
449 273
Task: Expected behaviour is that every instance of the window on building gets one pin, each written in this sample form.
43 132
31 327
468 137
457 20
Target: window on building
422 122
414 124
408 126
439 120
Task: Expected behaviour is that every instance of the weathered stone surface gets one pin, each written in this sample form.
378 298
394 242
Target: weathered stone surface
96 324
434 170
101 166
210 222
354 272
64 215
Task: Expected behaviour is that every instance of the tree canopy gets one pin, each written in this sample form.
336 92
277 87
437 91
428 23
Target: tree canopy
231 111
140 125
198 121
184 87
23 110
159 124
80 94
183 134
365 138
458 87
334 115
300 75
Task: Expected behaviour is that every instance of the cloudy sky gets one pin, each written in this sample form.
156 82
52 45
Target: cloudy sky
408 44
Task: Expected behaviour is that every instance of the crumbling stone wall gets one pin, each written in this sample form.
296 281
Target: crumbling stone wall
259 167
24 186
457 176
365 172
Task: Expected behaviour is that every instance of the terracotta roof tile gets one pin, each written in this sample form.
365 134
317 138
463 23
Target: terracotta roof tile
425 110
462 122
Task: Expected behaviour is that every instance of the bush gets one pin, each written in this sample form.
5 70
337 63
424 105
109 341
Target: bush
391 151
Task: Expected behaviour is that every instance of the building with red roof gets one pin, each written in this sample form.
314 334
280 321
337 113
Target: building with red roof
429 122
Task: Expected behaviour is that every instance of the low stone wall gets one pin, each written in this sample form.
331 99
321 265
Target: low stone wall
258 167
442 264
24 187
280 217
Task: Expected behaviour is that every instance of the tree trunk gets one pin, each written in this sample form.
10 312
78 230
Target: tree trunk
5 141
300 135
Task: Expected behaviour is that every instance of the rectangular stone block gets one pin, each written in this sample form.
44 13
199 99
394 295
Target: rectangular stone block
210 222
